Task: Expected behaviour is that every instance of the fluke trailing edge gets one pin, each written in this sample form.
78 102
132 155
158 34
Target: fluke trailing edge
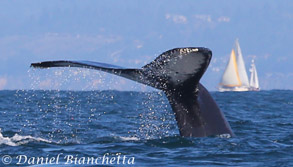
176 72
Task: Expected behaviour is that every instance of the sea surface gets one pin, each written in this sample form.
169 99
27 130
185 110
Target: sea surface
123 128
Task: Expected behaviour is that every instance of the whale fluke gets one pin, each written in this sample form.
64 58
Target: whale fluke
177 72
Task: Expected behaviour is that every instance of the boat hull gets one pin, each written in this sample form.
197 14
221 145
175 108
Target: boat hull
237 89
233 89
254 89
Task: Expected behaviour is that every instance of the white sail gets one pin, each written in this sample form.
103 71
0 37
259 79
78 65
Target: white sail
241 65
230 77
256 78
254 84
235 76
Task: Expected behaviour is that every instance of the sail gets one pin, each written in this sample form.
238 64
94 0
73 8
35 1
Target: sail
256 78
251 83
253 77
231 77
241 65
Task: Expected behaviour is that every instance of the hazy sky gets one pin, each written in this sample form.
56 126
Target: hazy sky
132 33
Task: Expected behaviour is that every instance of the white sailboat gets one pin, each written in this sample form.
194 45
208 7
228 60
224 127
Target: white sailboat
254 85
235 77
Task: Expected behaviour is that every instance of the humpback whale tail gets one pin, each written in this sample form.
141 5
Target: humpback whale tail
176 72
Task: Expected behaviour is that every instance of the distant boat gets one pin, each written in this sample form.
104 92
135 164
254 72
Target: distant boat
235 77
254 85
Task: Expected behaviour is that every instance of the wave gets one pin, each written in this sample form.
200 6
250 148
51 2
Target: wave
18 140
129 138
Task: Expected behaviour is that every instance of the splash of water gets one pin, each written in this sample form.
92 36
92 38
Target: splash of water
18 140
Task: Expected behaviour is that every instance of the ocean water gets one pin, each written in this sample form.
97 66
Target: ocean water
119 128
